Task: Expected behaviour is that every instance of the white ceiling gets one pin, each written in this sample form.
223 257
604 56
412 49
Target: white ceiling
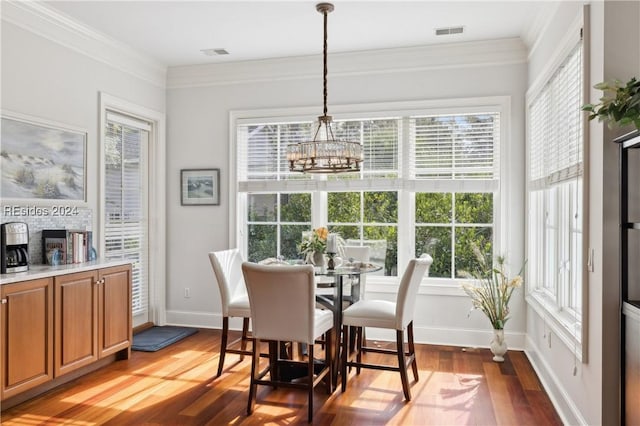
175 32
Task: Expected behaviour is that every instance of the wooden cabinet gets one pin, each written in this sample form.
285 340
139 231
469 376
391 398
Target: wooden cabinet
76 321
114 311
93 316
26 335
61 324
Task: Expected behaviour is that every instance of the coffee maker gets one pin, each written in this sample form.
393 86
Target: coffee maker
14 247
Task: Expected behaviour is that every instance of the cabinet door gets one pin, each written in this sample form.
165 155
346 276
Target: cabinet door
632 365
76 321
26 335
115 332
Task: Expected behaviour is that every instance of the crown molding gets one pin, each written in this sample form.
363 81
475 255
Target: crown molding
44 21
406 59
536 31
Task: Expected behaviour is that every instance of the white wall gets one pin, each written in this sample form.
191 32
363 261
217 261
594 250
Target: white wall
199 100
50 81
591 396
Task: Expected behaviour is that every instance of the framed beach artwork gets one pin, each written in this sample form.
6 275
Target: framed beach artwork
200 187
42 161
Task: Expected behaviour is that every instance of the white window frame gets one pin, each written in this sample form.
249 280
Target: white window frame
436 286
156 196
553 305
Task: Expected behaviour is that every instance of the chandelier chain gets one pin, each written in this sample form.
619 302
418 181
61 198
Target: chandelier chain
324 57
325 153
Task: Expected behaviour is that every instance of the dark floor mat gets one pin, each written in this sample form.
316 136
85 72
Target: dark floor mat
156 338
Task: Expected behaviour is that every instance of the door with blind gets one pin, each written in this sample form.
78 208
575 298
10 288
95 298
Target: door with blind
125 198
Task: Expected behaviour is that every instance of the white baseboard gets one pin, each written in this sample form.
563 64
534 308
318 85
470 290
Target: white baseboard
562 402
451 336
201 320
422 334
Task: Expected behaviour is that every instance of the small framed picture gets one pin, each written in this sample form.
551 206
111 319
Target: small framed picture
200 187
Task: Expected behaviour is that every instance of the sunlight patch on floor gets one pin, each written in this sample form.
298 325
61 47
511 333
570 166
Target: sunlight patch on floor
82 396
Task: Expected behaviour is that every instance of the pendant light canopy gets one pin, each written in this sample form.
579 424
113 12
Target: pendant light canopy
325 153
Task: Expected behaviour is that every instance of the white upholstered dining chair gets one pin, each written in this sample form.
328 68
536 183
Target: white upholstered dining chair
283 308
385 314
227 267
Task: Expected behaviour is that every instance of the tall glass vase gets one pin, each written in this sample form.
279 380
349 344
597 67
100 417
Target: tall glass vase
498 345
318 259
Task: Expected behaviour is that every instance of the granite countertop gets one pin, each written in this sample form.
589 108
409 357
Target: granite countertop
45 271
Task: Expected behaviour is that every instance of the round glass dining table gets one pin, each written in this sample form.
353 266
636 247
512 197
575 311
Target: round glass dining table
349 272
346 273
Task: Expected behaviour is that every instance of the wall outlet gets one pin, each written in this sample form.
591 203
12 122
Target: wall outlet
187 292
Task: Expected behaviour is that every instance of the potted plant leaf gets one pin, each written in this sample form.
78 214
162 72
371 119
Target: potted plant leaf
619 104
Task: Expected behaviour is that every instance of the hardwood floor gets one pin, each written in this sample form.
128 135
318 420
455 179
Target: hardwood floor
177 386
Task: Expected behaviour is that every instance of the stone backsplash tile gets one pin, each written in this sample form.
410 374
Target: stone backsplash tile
38 218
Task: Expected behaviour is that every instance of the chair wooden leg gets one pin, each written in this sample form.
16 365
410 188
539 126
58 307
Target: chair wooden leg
402 365
412 351
352 339
345 356
245 332
328 360
275 349
310 381
253 387
359 331
223 344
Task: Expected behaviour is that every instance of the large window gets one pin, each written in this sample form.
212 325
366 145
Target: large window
429 184
555 200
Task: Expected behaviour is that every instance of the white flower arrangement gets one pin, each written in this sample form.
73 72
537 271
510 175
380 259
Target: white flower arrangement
492 290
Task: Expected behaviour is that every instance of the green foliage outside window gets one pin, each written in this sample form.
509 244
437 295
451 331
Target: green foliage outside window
435 227
262 242
447 225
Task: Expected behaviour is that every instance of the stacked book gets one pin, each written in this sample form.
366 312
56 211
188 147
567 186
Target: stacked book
60 246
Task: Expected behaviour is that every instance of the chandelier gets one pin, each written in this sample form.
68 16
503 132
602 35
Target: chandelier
325 153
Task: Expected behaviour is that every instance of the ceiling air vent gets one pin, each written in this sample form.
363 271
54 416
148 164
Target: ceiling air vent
214 52
449 31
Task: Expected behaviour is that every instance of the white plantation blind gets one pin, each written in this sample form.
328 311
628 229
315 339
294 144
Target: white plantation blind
451 152
126 221
380 142
261 152
460 147
555 131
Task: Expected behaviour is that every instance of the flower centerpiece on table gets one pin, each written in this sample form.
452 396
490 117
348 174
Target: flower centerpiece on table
314 242
491 292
